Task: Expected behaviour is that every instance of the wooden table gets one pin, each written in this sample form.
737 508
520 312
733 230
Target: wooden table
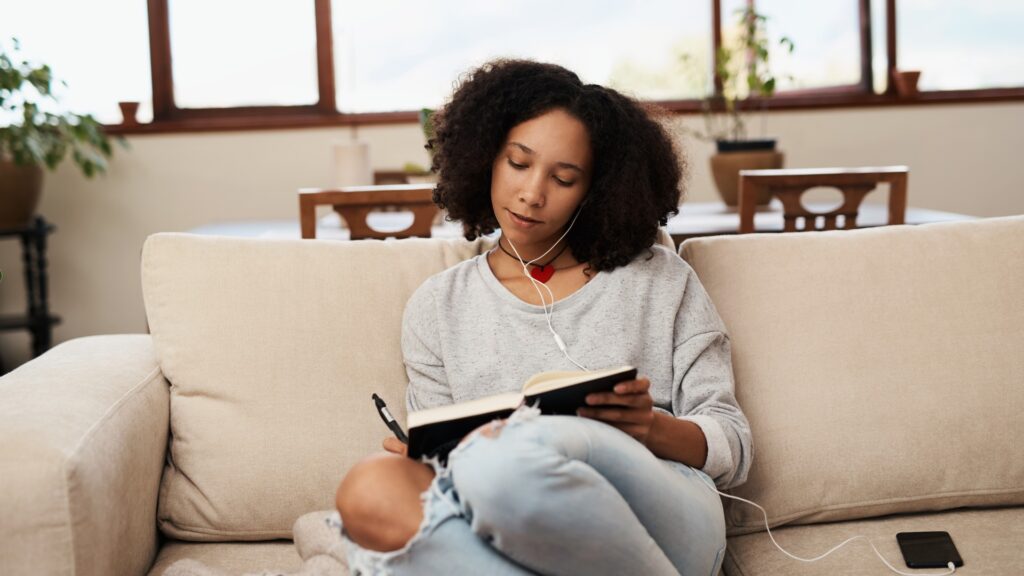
698 219
694 220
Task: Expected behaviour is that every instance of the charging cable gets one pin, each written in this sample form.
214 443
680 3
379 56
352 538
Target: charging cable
950 565
537 285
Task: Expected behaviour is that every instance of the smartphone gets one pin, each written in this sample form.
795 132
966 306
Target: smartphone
928 549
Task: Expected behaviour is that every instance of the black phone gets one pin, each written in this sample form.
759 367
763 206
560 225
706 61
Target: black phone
928 549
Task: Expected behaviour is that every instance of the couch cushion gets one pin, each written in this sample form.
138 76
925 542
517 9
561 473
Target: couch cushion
881 369
272 349
988 542
231 557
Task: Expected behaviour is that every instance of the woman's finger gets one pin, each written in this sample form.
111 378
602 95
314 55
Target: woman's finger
393 445
638 400
638 386
616 414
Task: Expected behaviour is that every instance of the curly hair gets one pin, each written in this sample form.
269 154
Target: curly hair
635 185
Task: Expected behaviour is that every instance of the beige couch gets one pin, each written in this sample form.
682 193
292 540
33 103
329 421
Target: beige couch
882 371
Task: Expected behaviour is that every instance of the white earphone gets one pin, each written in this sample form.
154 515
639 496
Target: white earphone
951 567
536 286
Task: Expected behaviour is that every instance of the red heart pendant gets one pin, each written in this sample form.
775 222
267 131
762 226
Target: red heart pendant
543 273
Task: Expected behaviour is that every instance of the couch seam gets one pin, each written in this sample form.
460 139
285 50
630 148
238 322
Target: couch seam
735 561
848 506
74 452
234 533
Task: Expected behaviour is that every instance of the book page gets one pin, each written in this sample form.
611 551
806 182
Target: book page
547 381
536 379
508 401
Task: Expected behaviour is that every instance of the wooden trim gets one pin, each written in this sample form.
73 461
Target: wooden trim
781 103
250 112
866 50
325 57
784 102
716 41
289 122
160 60
890 46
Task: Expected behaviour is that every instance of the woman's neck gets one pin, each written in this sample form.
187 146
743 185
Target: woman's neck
504 256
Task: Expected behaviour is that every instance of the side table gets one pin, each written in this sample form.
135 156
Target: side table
38 320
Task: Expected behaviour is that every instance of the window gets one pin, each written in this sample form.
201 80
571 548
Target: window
391 57
240 64
218 63
825 35
962 44
100 68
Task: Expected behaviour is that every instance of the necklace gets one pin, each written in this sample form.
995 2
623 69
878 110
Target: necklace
542 272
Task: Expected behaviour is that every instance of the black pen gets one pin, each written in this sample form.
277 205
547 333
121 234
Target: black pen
388 419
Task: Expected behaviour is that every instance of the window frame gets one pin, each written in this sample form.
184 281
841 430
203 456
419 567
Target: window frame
167 117
166 110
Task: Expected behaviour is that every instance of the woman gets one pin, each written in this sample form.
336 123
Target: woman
578 178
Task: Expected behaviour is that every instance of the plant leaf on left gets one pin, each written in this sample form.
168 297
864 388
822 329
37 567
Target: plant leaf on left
30 135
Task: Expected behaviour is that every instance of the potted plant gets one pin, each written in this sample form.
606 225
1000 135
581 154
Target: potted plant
746 79
417 173
32 136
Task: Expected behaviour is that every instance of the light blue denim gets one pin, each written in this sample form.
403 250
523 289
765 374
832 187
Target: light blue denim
558 495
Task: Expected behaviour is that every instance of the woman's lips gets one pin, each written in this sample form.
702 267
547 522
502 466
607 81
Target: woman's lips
522 220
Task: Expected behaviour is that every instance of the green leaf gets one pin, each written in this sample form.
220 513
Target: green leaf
44 138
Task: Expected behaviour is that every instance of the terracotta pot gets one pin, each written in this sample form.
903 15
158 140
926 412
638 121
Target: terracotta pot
20 189
128 113
906 82
726 166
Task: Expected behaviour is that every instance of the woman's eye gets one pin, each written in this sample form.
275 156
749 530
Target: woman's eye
515 165
563 182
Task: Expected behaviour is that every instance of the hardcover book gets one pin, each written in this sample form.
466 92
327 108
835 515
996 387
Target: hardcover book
435 431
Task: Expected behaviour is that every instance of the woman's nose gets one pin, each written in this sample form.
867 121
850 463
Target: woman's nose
532 190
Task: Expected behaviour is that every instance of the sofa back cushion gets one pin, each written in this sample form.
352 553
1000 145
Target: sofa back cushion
272 349
882 370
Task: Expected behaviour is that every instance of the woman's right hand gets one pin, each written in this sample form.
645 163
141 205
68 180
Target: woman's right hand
395 446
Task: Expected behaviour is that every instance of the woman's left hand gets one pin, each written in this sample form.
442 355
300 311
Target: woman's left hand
629 408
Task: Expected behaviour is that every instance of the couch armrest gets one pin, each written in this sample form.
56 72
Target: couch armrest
83 434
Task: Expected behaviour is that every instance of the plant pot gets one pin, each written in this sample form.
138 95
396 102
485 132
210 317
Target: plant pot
906 82
726 166
20 189
745 145
128 113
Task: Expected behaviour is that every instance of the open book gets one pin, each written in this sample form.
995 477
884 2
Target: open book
435 431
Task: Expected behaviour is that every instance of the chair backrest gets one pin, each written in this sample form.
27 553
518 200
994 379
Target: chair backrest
355 203
788 185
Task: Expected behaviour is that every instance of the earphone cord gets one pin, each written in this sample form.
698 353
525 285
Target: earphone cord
951 566
543 303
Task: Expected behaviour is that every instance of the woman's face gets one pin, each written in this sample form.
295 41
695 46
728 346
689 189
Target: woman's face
539 177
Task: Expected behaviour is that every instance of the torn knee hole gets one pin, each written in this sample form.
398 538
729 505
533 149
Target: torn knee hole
492 429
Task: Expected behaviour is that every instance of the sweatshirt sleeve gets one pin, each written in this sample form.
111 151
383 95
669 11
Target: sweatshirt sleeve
704 390
428 380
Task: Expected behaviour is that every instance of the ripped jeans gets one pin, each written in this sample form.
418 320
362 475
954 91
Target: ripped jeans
558 495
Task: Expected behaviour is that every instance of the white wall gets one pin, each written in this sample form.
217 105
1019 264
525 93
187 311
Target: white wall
962 158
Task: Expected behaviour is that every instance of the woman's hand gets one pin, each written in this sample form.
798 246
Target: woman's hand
395 446
629 408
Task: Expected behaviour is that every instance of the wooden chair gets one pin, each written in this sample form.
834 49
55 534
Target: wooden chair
354 203
789 185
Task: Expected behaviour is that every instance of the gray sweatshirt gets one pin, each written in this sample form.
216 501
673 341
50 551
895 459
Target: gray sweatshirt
465 336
